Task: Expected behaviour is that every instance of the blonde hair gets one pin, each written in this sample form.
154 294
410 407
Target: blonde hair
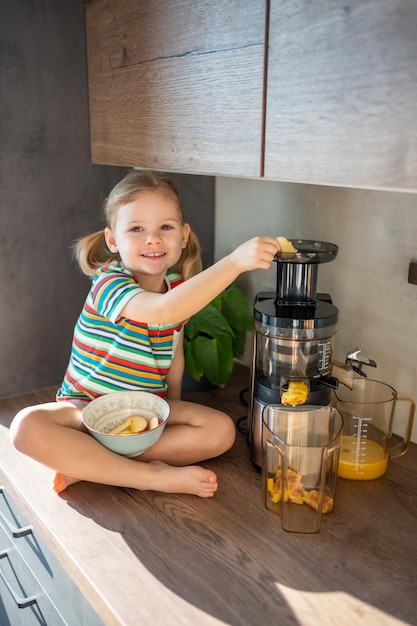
92 252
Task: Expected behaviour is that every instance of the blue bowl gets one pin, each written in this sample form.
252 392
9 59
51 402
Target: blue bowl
104 414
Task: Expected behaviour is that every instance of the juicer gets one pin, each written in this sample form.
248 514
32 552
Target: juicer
293 338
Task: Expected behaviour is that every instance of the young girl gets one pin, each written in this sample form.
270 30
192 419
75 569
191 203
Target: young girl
134 314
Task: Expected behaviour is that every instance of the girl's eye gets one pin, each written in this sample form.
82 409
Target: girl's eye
140 229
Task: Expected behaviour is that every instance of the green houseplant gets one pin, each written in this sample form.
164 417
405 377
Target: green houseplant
216 335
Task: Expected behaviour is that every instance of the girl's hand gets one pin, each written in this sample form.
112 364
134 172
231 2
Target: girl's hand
257 253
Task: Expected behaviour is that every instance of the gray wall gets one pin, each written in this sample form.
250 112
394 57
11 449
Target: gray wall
50 192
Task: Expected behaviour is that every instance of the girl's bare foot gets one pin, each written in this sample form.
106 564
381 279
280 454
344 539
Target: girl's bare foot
191 479
61 482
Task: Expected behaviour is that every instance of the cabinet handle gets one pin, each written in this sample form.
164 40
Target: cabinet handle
16 532
22 603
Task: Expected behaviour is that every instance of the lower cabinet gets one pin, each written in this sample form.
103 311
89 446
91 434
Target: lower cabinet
34 587
22 599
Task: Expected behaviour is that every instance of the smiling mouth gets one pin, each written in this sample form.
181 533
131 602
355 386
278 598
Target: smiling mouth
153 255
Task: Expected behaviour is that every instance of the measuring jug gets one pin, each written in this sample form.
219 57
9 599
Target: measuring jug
299 463
369 411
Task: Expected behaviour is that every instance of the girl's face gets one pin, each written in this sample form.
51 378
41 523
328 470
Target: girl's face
149 236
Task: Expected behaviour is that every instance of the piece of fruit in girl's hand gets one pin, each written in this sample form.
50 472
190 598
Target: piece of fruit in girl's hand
153 422
138 424
286 245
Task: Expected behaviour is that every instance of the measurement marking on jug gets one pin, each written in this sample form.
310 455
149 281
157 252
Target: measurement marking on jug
361 435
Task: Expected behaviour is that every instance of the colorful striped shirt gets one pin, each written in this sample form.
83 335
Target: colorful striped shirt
112 353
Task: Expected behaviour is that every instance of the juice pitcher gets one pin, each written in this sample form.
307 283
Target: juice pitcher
370 410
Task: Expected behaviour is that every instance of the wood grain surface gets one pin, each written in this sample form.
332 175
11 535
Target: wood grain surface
144 557
177 85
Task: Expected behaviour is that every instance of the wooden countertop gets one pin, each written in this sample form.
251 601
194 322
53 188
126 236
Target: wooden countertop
150 558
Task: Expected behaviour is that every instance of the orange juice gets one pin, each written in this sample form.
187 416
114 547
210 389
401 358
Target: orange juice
361 459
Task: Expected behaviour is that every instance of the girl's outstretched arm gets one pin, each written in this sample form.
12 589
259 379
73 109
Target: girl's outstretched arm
194 294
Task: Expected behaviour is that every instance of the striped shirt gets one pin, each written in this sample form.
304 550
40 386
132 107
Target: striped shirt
112 353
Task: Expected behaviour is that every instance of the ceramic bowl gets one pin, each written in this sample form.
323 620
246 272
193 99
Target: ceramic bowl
104 414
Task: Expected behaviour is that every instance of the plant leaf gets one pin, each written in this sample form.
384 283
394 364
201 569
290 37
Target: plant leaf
217 302
217 334
236 310
191 363
208 321
239 343
215 357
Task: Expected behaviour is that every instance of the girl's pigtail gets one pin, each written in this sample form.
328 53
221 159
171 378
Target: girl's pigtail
92 253
190 263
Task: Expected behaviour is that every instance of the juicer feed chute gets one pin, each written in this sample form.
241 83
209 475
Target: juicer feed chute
293 338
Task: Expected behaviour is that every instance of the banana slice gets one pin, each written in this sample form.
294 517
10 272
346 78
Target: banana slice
121 427
286 246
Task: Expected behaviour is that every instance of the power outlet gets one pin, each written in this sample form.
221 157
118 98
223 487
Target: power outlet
412 273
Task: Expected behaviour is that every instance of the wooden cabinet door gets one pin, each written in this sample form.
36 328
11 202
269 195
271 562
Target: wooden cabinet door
177 84
342 93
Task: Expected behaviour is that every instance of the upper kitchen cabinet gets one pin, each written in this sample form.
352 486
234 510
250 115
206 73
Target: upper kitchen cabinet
342 93
177 84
